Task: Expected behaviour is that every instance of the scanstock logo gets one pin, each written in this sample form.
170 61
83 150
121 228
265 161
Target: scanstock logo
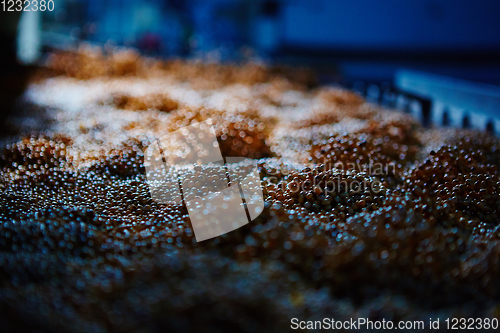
221 193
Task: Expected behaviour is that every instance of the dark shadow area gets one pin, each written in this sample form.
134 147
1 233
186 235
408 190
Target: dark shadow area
466 122
490 127
446 118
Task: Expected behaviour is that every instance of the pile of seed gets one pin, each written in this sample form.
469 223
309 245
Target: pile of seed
85 247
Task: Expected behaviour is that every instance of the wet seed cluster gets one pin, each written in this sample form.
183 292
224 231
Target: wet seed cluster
457 186
159 102
382 149
126 161
121 208
239 134
85 246
333 192
88 225
34 154
394 248
65 231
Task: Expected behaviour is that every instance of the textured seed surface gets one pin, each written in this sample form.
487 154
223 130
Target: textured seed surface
84 247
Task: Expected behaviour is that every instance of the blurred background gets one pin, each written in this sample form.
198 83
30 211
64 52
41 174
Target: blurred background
366 39
390 51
